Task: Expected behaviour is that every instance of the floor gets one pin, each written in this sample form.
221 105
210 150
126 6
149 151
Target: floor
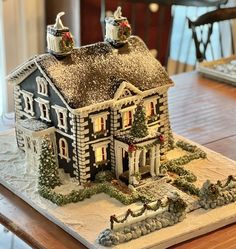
8 240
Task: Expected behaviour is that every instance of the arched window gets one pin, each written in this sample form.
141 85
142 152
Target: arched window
63 148
42 86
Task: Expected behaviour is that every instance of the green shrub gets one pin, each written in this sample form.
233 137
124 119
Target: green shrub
186 186
104 176
80 195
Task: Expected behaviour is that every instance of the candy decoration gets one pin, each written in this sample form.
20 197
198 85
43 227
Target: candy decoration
131 148
162 138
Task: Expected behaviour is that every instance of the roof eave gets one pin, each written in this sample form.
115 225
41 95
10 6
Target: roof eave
108 103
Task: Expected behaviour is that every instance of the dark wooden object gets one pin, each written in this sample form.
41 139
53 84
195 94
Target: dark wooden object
202 110
202 3
202 43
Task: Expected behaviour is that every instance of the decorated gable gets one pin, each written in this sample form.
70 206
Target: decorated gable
126 90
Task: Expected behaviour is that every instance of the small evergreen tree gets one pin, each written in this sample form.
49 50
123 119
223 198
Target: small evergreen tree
139 127
48 171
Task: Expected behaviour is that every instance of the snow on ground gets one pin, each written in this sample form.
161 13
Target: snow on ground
85 220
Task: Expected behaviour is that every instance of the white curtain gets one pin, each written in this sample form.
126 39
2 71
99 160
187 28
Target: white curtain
3 89
22 36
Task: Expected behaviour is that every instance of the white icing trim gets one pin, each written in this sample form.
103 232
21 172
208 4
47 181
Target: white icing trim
42 86
129 86
53 86
113 102
40 133
100 144
98 140
126 109
63 151
43 103
95 117
28 100
123 113
22 72
61 110
64 134
148 101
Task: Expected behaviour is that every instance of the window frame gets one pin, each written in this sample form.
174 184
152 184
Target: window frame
42 86
103 146
123 112
147 103
63 150
28 102
44 102
97 120
61 110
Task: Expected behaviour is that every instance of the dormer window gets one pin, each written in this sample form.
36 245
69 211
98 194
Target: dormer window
127 116
63 149
42 86
44 109
99 122
28 102
61 117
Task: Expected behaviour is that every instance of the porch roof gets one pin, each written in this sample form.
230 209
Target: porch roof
128 139
33 124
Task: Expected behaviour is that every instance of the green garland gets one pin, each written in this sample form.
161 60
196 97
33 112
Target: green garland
219 194
80 195
185 186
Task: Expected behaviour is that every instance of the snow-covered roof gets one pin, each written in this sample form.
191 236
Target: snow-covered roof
93 73
32 124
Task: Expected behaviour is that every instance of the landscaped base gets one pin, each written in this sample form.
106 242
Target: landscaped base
85 221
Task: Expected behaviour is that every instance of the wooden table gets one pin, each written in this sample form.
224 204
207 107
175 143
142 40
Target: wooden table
202 110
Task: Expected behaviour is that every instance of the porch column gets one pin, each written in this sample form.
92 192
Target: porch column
131 167
152 161
119 163
143 159
157 162
137 155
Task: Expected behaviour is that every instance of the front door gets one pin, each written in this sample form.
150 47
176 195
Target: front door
125 160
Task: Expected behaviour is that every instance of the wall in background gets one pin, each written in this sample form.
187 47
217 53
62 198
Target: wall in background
71 18
24 36
83 17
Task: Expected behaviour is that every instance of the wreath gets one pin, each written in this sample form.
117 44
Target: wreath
124 31
66 43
